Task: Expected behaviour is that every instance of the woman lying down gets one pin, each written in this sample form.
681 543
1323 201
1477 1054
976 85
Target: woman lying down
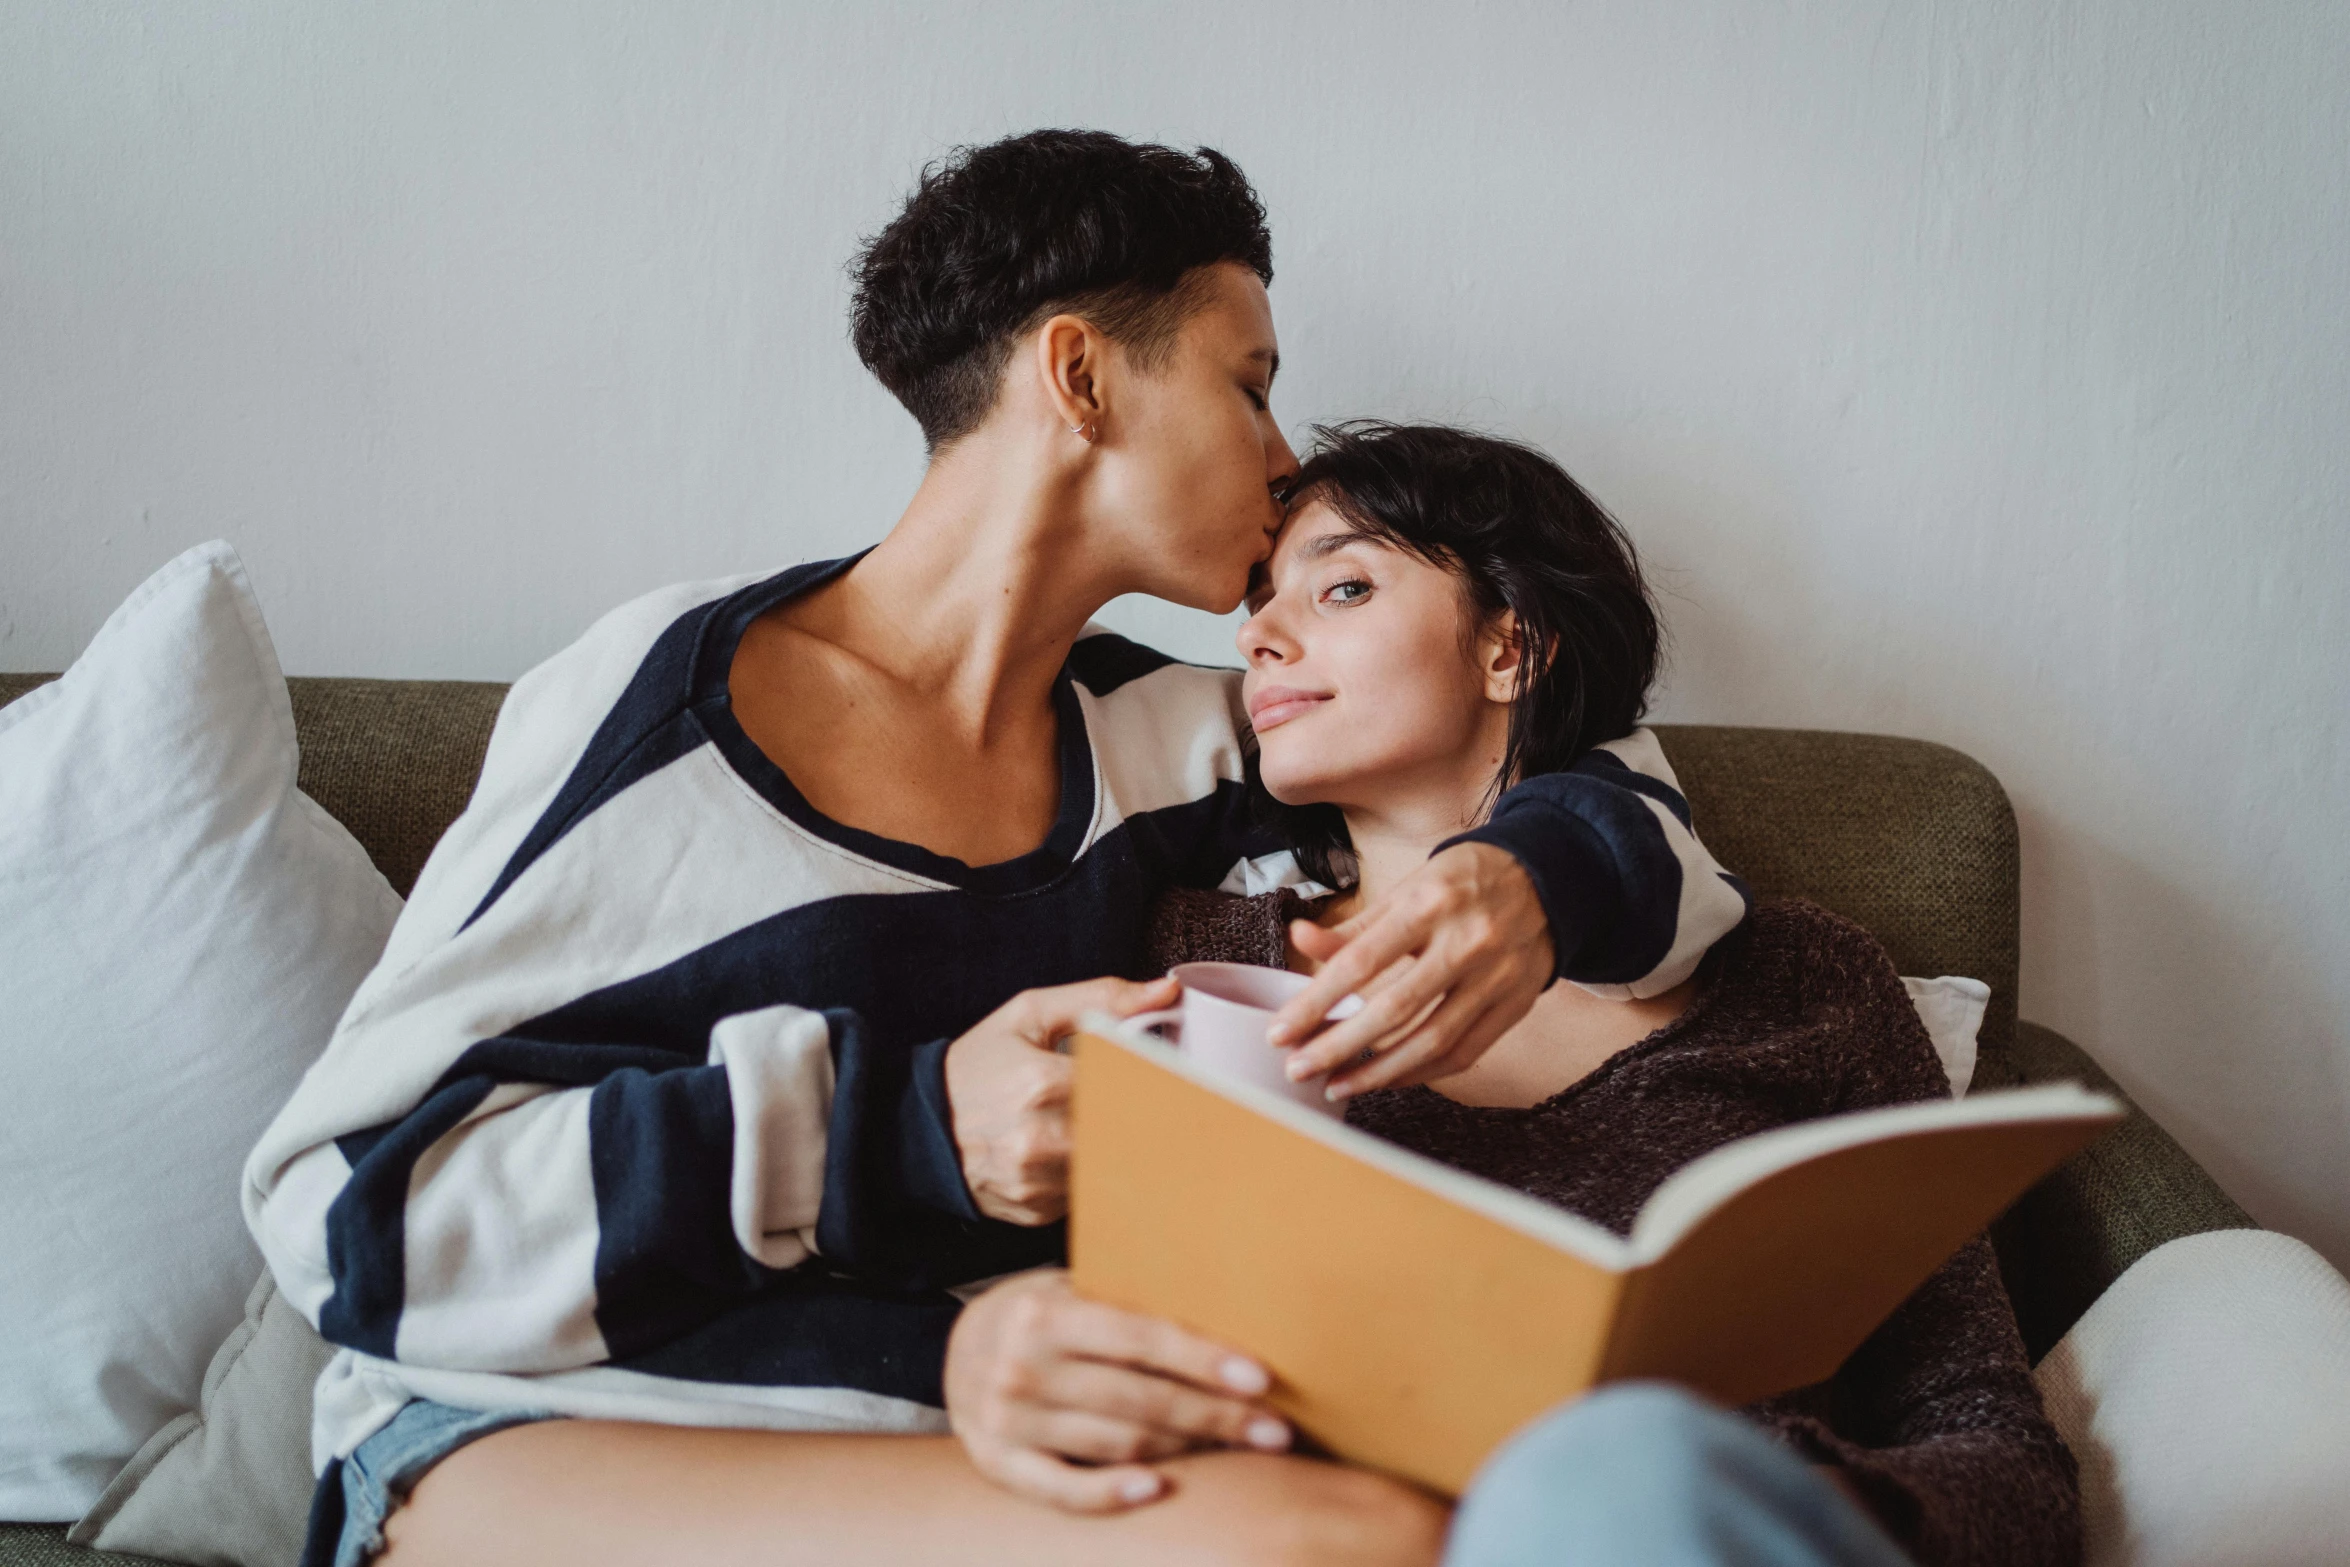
1443 613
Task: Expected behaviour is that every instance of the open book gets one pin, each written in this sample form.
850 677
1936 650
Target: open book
1414 1316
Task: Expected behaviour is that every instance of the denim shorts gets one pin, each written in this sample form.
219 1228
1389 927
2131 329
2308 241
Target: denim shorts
382 1470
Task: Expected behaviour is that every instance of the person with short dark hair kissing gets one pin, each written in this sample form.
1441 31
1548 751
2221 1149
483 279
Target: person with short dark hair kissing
711 1065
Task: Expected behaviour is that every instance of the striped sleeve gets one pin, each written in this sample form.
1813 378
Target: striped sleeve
554 1204
558 1126
1634 898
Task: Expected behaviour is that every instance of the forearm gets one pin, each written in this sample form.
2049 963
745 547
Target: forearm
546 1206
1634 899
897 1210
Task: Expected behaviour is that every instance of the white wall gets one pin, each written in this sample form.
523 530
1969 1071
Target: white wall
1974 372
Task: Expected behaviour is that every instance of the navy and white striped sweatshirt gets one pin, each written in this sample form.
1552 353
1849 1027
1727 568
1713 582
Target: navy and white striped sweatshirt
642 1114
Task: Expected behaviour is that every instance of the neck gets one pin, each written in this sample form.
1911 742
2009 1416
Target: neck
977 594
1391 841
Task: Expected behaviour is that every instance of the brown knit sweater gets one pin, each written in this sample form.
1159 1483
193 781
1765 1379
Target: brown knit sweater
1798 1014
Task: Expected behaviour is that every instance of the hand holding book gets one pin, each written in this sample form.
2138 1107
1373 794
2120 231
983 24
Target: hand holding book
1037 1377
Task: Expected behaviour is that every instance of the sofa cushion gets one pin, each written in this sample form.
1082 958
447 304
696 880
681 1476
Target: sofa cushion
227 1484
44 1545
394 760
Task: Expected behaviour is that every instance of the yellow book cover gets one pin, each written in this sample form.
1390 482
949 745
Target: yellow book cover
1413 1316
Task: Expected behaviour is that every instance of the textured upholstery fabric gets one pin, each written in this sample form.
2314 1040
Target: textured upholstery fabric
43 1545
2080 1229
1913 840
393 760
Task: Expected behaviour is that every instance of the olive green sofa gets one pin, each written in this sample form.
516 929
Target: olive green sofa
1914 840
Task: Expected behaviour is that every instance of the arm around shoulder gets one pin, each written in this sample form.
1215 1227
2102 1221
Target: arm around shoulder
1634 898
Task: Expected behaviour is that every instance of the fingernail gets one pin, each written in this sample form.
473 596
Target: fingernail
1244 1376
1297 1069
1268 1433
1278 1034
1141 1488
1337 1093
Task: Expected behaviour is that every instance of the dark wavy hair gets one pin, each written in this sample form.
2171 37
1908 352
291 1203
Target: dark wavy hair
1519 534
997 239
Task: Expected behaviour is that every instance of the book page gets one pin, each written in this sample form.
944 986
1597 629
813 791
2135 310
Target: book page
1773 1285
1704 1184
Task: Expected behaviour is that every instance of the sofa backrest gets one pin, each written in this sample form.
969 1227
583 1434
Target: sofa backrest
1911 839
1914 840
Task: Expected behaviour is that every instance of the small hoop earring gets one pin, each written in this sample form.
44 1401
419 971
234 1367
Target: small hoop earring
1083 432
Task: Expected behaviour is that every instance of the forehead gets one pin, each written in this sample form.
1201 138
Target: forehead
1316 530
1314 533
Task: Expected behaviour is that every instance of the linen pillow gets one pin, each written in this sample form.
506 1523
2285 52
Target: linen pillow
1952 1009
229 1484
182 928
2207 1396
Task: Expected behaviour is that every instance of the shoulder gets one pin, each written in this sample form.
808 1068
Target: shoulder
1799 935
1165 732
631 669
584 679
570 721
1833 987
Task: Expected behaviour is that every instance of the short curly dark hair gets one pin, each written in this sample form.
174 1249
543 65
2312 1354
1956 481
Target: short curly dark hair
998 238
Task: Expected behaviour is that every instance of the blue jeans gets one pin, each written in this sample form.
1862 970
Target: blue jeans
1644 1475
356 1495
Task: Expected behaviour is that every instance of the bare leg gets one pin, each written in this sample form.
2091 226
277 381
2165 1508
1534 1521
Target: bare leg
582 1493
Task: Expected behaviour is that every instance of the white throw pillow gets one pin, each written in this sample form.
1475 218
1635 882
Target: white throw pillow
180 927
2207 1396
1952 1010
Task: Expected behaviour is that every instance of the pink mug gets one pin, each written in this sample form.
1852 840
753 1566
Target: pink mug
1221 1024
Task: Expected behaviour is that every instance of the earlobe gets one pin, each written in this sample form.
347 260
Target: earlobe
1068 353
1504 652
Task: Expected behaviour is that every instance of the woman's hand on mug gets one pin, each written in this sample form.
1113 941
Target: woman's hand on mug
1069 1402
1446 963
1008 1088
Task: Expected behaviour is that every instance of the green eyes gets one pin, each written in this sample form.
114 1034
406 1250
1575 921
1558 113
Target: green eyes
1352 591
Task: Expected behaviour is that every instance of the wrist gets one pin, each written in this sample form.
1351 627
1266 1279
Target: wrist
1565 869
933 1157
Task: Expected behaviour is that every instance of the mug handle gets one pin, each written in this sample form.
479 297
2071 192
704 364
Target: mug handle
1152 1022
